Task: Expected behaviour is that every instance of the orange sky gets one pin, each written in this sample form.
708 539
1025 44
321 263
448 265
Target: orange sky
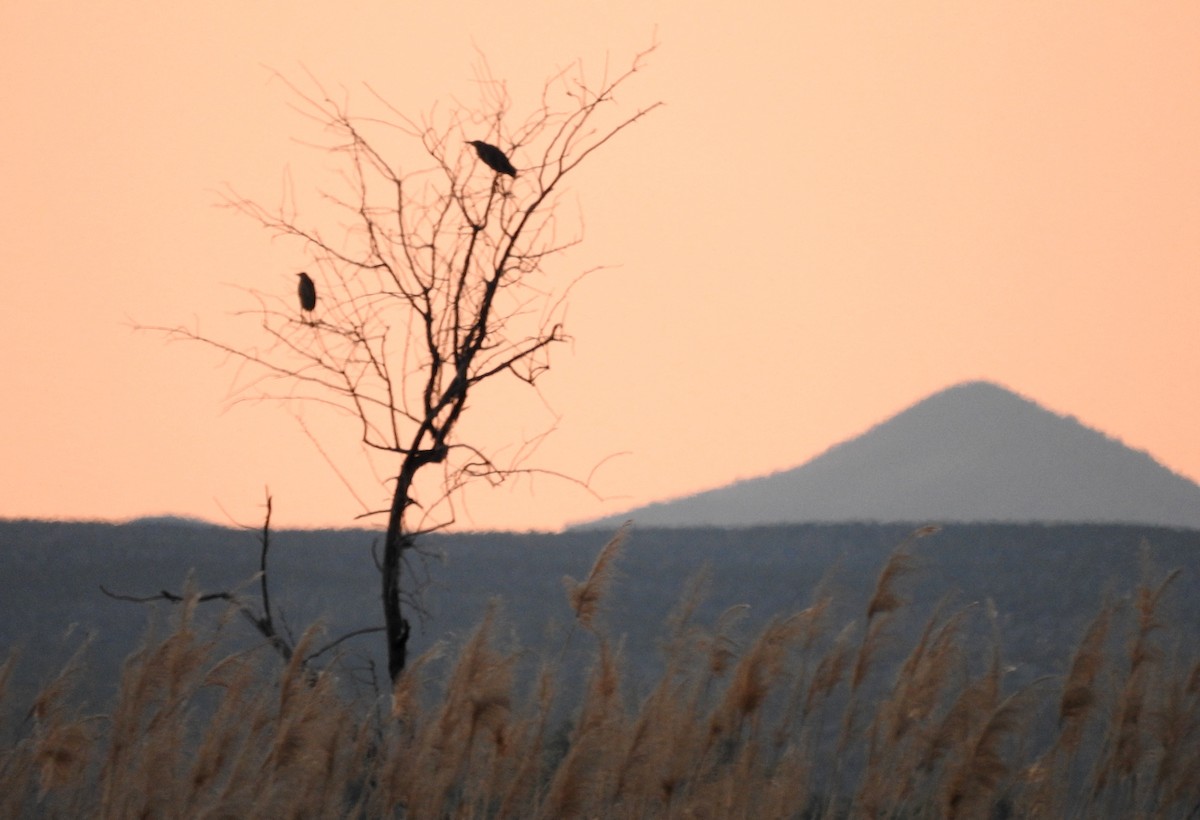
843 208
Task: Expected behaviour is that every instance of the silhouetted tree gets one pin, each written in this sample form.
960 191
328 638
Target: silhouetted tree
436 281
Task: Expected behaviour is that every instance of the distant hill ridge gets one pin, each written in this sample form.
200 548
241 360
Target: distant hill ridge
972 452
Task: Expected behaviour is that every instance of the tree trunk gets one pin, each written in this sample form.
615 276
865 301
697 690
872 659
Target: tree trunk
395 542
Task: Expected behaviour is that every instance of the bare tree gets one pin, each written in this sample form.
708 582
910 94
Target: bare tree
435 278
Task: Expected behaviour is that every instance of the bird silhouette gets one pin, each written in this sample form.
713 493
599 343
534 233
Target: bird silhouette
308 293
493 158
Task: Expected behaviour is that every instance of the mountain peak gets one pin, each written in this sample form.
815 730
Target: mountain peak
975 451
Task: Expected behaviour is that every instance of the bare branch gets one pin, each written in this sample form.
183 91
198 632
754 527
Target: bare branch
164 595
352 634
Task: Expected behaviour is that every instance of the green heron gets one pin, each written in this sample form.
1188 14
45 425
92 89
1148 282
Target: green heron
308 293
493 158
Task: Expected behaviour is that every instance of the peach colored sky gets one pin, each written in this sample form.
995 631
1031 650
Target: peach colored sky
843 208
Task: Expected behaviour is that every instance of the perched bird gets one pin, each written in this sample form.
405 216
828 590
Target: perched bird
308 293
493 158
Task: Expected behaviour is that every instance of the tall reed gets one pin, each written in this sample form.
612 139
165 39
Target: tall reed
808 717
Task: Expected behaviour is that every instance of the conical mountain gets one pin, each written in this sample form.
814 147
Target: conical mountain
972 452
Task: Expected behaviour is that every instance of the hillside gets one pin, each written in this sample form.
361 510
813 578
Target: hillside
1046 582
972 452
794 669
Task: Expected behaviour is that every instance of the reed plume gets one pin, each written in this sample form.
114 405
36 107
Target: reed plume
585 596
726 728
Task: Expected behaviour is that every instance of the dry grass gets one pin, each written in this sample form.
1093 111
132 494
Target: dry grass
806 719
